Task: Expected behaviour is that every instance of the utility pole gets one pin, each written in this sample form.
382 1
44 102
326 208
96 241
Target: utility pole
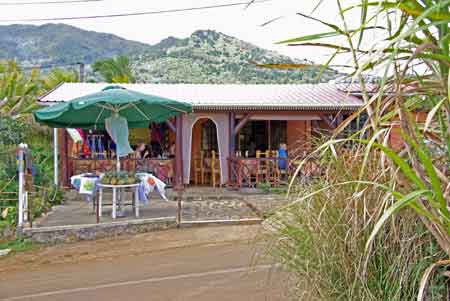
81 65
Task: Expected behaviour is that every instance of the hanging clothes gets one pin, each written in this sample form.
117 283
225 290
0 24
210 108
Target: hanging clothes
100 147
91 143
156 135
85 150
75 135
117 128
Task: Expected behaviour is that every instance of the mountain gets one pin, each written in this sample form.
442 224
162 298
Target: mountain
212 57
61 44
205 57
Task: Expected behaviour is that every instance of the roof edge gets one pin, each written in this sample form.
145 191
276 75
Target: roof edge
50 91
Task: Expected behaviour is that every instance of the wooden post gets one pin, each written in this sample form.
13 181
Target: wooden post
242 123
330 124
269 140
98 196
30 210
64 159
81 72
231 124
55 157
21 159
308 134
232 150
179 181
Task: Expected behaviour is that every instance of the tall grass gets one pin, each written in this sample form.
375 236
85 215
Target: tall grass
322 237
405 43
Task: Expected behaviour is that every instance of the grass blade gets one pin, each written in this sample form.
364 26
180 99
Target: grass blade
403 202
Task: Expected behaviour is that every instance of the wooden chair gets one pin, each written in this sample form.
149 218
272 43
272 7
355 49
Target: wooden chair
262 166
274 168
199 169
215 169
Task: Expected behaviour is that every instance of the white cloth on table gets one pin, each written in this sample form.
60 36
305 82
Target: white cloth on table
88 185
85 185
151 183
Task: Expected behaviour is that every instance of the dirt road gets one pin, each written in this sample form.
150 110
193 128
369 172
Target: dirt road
189 264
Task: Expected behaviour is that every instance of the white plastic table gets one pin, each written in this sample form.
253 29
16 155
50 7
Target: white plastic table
115 189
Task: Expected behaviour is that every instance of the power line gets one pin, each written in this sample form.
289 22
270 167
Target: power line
47 2
175 10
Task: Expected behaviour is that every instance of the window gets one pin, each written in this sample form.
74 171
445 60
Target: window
278 133
209 136
256 132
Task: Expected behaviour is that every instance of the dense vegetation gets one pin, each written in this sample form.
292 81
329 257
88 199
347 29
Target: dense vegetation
376 225
115 70
212 57
18 97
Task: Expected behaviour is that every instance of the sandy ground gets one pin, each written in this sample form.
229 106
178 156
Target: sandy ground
214 263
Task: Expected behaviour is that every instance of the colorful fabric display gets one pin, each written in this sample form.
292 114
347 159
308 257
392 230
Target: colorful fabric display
100 147
85 148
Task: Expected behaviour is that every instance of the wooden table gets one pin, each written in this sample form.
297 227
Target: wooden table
115 189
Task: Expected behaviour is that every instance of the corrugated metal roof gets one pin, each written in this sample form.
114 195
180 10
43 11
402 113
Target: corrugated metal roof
228 96
355 88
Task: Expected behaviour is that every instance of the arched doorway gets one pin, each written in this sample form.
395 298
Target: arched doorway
205 153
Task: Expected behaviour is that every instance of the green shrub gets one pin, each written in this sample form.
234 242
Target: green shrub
13 132
18 245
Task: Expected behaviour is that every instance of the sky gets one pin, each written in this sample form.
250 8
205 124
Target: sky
238 21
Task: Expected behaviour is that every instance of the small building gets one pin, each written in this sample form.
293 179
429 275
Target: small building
233 133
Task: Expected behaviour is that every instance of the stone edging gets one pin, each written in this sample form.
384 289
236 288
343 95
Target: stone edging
209 223
60 234
63 234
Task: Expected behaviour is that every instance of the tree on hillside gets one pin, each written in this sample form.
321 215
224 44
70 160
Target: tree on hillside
115 70
18 91
58 76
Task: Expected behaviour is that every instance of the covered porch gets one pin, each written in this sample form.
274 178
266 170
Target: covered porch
232 139
247 150
218 149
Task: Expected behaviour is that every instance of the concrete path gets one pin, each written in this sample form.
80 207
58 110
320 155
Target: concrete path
189 264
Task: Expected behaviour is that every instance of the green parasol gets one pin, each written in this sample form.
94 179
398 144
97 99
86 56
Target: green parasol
90 111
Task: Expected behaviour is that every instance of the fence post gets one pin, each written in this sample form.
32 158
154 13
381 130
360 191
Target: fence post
21 175
179 181
55 156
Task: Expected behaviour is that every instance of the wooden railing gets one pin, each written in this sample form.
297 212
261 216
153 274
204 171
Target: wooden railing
8 199
251 172
78 166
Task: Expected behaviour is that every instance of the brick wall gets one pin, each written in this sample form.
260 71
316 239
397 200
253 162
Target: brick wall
298 136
